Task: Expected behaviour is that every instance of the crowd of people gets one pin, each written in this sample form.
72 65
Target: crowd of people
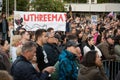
79 51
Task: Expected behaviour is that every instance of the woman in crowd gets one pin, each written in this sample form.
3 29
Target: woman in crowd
15 43
91 67
4 52
90 46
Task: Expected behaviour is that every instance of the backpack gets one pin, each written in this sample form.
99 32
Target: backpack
55 75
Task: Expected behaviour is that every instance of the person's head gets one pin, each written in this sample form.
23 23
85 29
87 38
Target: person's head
110 39
71 46
86 29
5 45
3 15
51 38
94 26
72 37
51 32
57 39
91 59
41 36
79 34
16 40
29 50
21 30
4 75
32 36
90 40
25 35
73 31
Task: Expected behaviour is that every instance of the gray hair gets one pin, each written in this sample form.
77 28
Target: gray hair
28 46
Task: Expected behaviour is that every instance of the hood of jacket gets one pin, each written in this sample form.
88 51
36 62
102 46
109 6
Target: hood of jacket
67 54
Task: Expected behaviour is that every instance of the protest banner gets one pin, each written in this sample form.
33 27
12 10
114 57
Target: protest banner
32 21
94 19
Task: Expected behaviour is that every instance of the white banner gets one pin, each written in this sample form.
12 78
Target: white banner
32 21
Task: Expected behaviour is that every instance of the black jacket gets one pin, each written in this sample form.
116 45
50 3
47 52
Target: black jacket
41 58
1 29
5 27
53 52
22 69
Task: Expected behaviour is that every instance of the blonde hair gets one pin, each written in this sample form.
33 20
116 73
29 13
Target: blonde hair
4 75
19 51
16 39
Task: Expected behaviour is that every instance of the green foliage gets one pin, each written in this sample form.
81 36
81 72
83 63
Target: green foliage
48 6
22 5
103 1
58 6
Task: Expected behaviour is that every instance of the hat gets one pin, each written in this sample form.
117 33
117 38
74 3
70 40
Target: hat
71 43
110 36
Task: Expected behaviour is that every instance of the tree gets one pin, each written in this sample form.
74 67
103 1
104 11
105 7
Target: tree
48 5
58 6
22 5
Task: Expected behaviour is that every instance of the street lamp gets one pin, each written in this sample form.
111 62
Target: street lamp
14 5
7 8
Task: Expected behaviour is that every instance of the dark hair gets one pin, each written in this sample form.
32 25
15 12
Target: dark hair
117 39
39 33
98 39
21 29
71 37
49 29
63 38
2 42
78 32
89 58
89 38
22 33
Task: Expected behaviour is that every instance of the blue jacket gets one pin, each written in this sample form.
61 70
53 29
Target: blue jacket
68 69
22 69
